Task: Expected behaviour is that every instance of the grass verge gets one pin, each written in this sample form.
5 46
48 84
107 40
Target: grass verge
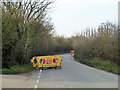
100 64
17 69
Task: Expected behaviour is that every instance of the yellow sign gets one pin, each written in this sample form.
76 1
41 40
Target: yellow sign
72 52
47 61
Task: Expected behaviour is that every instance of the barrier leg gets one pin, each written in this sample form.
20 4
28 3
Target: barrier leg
42 68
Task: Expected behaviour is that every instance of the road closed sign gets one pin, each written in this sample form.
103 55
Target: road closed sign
72 52
49 61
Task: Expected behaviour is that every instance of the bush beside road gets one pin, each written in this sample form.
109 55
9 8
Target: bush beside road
17 69
100 64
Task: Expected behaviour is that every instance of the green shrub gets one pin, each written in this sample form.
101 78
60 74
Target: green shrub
17 69
101 64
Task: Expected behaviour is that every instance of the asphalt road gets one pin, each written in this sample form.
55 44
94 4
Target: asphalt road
71 75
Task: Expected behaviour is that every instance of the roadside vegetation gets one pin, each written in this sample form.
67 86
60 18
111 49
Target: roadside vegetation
17 69
98 47
100 64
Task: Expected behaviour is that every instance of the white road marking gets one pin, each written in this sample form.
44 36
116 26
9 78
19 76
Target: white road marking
76 62
38 76
39 73
35 86
40 70
37 81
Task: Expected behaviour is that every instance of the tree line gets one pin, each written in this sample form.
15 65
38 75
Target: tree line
27 31
100 43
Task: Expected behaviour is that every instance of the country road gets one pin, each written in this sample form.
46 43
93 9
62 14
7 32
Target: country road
71 75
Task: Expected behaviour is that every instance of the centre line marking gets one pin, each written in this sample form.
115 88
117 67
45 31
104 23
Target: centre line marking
39 73
35 86
37 81
38 76
40 70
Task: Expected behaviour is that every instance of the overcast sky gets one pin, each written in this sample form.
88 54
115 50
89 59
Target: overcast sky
71 16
